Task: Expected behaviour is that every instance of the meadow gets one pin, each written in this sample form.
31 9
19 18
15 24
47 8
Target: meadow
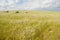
29 25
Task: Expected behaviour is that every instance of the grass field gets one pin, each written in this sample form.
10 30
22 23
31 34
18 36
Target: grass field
29 25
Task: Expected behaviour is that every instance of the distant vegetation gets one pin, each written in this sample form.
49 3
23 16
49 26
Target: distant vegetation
7 11
17 11
35 25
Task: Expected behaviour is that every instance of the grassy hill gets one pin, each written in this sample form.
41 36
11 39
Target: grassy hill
29 25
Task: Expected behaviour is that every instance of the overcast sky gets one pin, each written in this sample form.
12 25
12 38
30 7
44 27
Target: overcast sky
29 4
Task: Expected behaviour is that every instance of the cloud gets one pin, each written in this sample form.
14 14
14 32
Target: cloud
46 3
26 5
50 4
2 3
29 4
8 2
17 0
33 4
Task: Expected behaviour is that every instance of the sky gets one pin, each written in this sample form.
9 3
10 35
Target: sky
29 4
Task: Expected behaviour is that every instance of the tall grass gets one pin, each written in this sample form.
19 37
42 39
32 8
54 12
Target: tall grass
33 25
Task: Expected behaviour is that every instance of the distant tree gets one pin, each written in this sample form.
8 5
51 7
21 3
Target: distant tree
17 11
7 11
26 12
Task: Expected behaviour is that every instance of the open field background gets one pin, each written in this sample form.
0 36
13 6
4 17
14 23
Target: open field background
29 25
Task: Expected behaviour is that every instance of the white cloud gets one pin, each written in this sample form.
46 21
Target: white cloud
49 4
8 2
30 4
17 0
46 3
2 3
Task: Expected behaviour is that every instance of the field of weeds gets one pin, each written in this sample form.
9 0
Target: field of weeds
29 25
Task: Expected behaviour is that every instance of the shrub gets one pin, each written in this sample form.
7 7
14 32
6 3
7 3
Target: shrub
17 11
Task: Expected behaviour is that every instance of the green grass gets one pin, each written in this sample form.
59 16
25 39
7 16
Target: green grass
34 25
